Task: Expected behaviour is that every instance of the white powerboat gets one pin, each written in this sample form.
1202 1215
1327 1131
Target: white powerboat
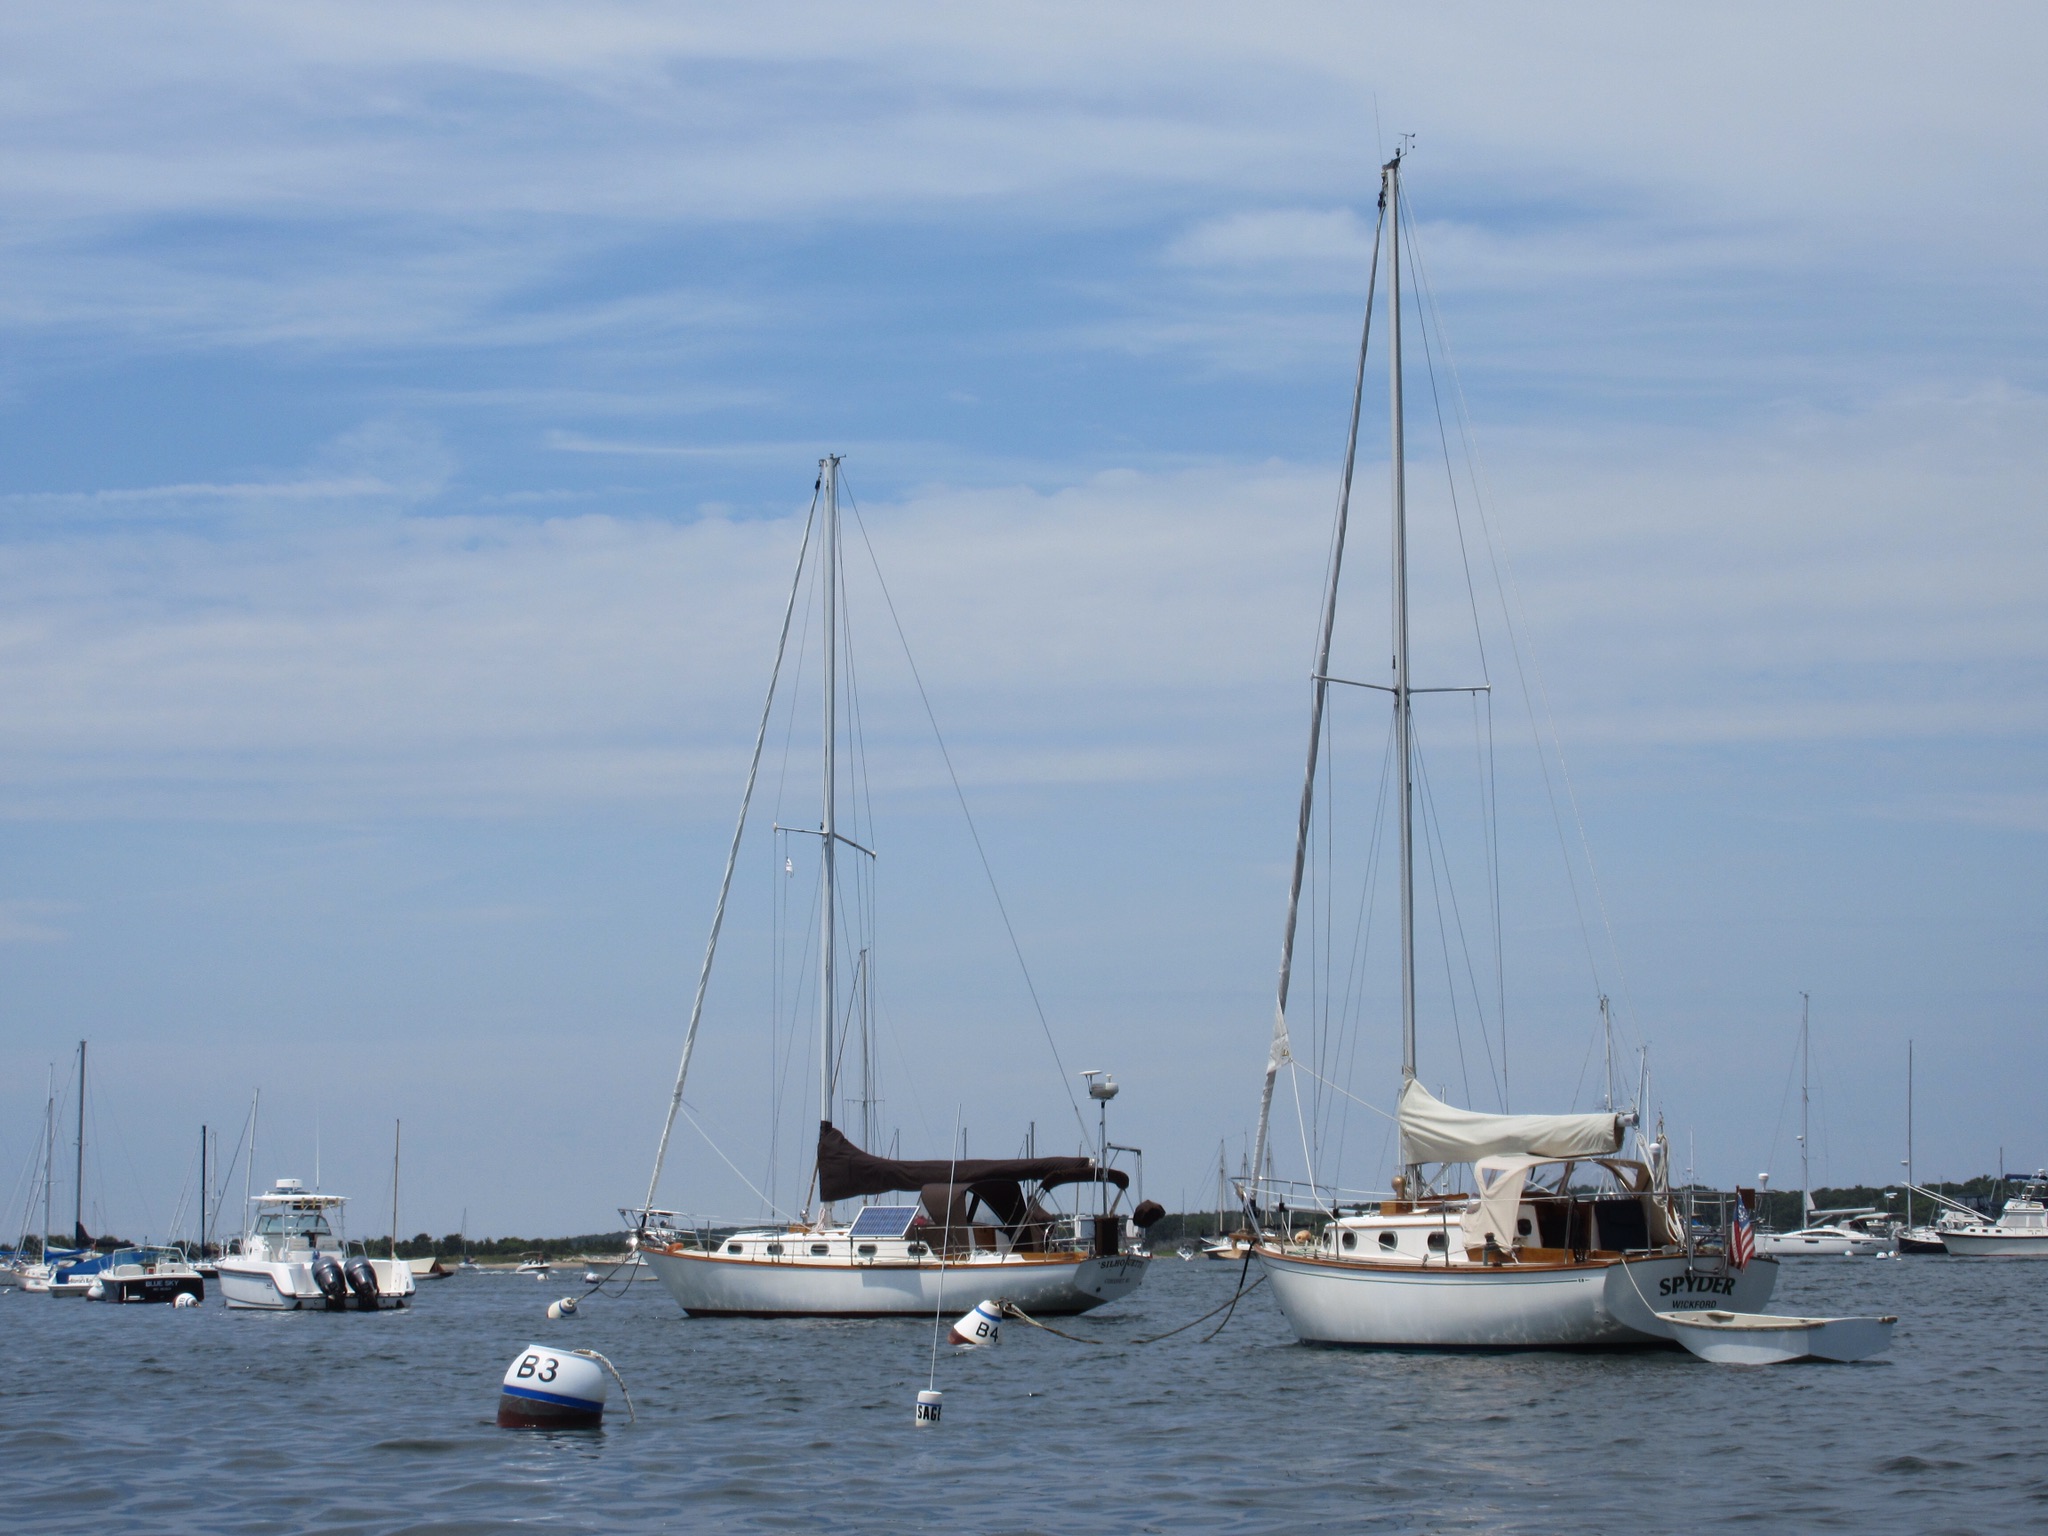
2021 1230
1567 1242
976 1228
1755 1338
1861 1234
296 1257
147 1274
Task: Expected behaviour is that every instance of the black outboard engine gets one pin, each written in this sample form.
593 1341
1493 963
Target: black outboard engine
327 1275
362 1280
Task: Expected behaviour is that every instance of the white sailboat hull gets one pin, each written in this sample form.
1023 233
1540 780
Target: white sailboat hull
1330 1301
711 1285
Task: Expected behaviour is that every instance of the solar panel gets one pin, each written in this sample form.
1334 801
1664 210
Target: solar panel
883 1221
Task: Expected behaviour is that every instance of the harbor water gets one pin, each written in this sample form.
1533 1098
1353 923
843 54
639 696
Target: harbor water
149 1418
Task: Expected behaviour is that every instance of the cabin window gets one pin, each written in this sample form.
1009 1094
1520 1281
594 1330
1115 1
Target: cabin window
1436 1242
1522 1227
819 1250
917 1250
775 1249
1389 1242
735 1248
1350 1240
866 1250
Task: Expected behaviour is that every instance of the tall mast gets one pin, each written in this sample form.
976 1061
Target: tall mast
249 1168
828 990
1404 755
78 1186
1318 694
1909 1133
1607 1029
1805 1147
202 1191
49 1160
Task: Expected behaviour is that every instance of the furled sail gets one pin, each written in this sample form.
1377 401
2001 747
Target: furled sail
845 1172
1435 1132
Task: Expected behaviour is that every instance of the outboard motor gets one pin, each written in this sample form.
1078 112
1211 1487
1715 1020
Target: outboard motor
327 1275
362 1280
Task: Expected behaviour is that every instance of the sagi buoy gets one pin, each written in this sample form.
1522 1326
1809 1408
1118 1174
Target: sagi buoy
185 1299
557 1310
928 1406
981 1327
552 1389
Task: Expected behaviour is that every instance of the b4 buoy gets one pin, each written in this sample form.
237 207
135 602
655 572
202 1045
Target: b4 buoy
928 1406
982 1326
552 1389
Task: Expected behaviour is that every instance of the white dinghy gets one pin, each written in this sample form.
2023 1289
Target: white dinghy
1757 1338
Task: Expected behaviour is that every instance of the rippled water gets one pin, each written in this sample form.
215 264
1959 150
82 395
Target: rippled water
146 1418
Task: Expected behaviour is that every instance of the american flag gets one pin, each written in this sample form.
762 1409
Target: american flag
1741 1234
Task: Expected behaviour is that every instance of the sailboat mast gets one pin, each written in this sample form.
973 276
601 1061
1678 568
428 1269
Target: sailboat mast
1909 1133
202 1191
78 1186
1404 754
1805 1145
49 1161
827 937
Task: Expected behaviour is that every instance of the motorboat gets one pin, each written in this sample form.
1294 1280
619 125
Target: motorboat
536 1265
1757 1338
1572 1237
147 1274
296 1256
991 1228
1858 1234
2021 1230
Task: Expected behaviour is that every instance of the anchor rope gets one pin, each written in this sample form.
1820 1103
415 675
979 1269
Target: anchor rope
1011 1309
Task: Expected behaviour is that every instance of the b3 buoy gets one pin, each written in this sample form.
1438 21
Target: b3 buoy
928 1406
552 1389
981 1327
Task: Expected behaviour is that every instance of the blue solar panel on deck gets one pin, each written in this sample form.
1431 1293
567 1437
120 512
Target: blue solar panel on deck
884 1221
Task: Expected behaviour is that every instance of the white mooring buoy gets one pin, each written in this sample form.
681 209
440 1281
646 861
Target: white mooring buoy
557 1310
928 1406
185 1299
552 1389
983 1326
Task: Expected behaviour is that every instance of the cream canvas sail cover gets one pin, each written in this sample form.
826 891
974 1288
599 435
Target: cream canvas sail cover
1435 1132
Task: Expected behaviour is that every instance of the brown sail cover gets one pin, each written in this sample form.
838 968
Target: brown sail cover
845 1172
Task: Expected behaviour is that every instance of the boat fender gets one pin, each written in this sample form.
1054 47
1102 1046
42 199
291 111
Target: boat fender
557 1310
929 1405
979 1328
328 1277
185 1299
362 1279
552 1389
97 1291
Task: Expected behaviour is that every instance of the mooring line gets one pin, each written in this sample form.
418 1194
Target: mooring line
1011 1309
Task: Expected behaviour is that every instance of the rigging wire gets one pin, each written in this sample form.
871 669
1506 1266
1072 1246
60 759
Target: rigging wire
973 831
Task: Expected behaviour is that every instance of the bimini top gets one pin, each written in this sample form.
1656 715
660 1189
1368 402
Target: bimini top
1435 1132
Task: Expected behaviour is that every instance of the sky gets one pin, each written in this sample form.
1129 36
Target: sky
408 416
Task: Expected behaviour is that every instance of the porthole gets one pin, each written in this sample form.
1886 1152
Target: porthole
1389 1242
917 1250
1436 1242
819 1250
1523 1228
735 1248
1350 1240
866 1250
775 1250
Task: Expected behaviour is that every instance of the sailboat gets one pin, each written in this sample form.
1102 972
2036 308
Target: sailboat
1860 1232
973 1228
1532 1259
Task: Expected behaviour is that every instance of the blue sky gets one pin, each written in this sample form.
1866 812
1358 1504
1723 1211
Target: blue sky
406 414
